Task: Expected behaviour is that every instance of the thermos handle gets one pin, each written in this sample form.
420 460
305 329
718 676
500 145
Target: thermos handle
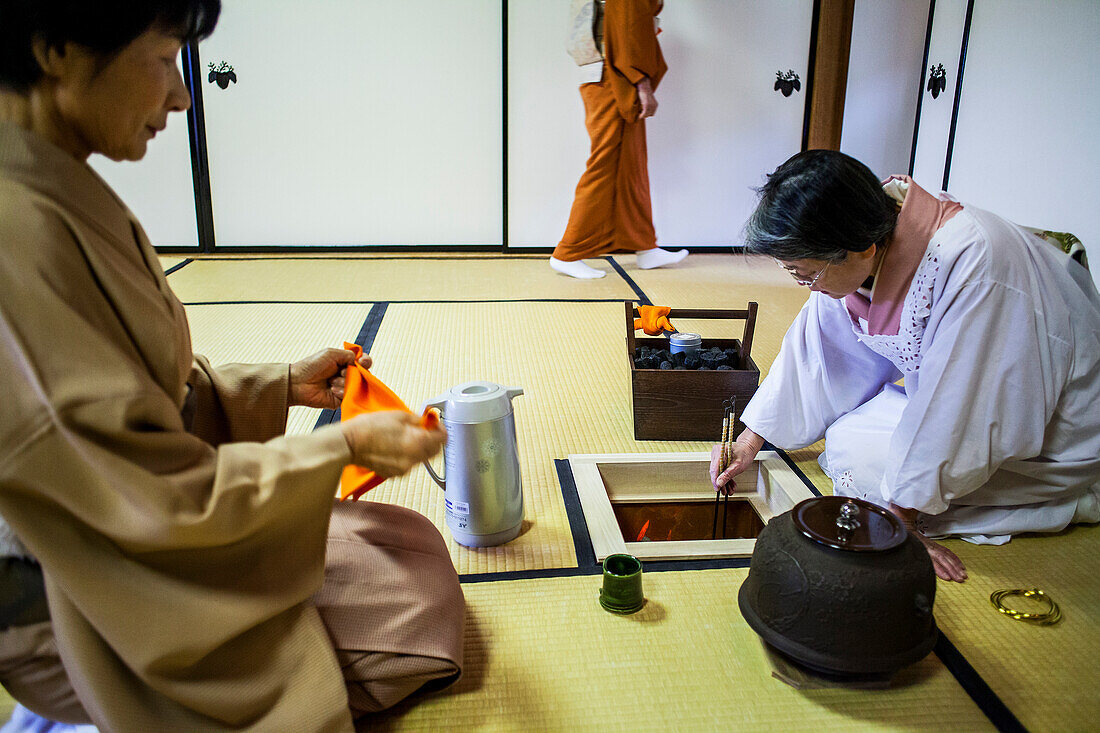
441 481
437 403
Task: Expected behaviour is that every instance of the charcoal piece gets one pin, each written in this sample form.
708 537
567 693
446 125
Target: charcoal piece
680 367
711 359
732 355
640 364
692 362
724 368
665 355
666 365
705 368
678 358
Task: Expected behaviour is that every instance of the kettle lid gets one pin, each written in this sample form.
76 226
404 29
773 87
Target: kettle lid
848 524
476 401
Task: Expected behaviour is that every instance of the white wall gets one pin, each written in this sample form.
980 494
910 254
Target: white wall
1027 141
357 122
884 72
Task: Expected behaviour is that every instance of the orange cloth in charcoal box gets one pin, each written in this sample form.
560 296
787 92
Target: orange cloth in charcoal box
611 208
363 393
653 319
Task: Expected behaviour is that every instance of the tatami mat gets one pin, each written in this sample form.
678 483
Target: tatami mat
542 655
570 358
273 333
1049 676
445 278
168 262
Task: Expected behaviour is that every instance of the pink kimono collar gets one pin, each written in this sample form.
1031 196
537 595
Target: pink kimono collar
921 216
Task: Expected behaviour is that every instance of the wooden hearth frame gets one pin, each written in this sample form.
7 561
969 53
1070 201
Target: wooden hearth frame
770 487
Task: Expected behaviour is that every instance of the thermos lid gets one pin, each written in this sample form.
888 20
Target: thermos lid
848 524
685 339
475 402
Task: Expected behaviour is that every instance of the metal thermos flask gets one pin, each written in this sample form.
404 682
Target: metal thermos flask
481 481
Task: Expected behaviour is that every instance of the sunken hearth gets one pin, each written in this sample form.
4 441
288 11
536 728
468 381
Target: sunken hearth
661 506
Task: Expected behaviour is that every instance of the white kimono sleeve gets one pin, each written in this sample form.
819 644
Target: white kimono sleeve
822 372
987 386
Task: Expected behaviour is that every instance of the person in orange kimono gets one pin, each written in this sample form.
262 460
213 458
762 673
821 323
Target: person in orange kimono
611 209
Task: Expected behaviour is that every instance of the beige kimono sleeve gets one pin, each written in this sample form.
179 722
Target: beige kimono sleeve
237 402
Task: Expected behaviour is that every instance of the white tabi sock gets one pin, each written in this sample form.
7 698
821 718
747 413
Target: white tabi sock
657 257
576 269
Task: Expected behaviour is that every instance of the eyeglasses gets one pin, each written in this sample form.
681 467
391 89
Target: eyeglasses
801 280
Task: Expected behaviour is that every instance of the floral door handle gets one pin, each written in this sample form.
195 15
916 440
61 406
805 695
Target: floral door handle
937 80
787 83
222 74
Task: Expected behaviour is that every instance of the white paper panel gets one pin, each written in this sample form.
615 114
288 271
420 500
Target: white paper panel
1026 143
357 122
935 114
880 103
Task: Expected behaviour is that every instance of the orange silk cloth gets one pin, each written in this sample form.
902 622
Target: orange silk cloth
653 319
611 208
363 393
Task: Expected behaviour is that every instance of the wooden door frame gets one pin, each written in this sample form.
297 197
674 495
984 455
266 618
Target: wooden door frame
832 48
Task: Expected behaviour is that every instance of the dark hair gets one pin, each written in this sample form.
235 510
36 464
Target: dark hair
103 26
820 205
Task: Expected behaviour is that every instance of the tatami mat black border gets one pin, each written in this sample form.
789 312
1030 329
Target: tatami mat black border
643 299
794 467
582 543
178 266
367 333
980 692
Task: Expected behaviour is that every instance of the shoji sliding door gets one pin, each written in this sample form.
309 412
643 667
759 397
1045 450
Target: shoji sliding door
356 122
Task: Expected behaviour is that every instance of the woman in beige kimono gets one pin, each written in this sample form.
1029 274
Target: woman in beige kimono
164 562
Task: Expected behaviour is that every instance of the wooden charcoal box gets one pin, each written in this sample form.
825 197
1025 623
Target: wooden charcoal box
686 404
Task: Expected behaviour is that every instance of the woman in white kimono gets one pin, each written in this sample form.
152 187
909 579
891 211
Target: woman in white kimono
995 428
168 559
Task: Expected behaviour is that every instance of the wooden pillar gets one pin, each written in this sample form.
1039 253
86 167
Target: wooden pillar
834 42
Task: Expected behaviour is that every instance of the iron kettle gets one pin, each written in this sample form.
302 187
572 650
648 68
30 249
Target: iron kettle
481 481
